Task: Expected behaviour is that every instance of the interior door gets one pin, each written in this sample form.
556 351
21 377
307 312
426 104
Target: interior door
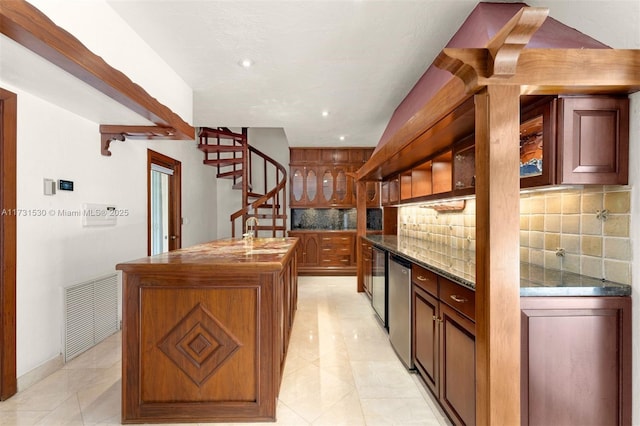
164 218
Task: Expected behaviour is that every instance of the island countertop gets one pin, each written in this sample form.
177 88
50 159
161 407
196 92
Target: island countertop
265 254
458 264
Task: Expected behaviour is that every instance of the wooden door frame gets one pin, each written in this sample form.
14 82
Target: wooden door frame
8 137
175 198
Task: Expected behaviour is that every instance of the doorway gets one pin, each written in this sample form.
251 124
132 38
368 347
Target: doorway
164 205
8 136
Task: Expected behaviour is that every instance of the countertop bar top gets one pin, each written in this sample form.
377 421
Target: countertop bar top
259 254
458 265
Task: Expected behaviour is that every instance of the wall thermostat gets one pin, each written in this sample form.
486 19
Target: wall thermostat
65 185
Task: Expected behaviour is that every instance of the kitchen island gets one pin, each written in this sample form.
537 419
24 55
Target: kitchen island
205 331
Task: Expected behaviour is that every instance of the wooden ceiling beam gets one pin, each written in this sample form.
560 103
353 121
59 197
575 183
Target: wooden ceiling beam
550 71
29 27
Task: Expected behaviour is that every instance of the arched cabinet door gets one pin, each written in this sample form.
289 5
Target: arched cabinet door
311 185
297 186
341 191
327 186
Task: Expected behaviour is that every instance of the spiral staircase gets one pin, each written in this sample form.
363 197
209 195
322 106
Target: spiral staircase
236 160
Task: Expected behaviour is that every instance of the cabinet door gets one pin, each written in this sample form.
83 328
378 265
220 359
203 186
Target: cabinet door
457 366
327 187
311 250
373 194
311 186
297 186
464 166
367 273
425 337
576 360
538 144
593 139
342 192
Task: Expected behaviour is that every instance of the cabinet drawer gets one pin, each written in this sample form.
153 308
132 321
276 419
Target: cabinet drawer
336 260
336 240
335 250
425 279
458 297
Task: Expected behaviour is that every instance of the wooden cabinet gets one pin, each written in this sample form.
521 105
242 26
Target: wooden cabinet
367 264
576 360
444 342
304 186
308 250
337 249
326 252
593 140
324 177
565 140
372 194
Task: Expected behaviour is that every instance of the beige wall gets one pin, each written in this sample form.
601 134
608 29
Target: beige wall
569 219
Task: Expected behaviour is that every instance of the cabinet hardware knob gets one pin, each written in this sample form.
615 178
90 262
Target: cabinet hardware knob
421 278
435 318
458 298
440 320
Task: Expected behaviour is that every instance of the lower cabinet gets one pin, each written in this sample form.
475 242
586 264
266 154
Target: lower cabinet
576 354
326 252
444 342
576 361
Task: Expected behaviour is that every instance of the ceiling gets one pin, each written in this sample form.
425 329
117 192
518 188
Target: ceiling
356 59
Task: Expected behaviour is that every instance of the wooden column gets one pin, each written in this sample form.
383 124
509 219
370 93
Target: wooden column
497 256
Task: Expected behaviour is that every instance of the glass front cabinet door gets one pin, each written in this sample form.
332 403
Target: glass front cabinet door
537 143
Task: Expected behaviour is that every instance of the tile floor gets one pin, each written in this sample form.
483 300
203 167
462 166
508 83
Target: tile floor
340 370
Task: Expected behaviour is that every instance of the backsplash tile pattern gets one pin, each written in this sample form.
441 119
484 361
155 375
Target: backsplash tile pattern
589 226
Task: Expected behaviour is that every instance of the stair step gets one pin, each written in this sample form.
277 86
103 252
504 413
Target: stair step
220 148
231 174
223 162
238 185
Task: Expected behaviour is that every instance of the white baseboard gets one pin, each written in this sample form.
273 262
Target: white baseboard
39 373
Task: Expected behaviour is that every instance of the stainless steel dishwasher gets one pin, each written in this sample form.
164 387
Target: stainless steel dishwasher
399 320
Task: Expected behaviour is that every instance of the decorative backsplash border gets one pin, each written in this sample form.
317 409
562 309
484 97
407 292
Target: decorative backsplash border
585 231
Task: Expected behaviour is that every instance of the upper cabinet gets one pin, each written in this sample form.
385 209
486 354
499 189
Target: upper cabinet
593 140
563 140
325 177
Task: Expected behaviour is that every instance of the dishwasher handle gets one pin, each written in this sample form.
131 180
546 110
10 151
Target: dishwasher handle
400 260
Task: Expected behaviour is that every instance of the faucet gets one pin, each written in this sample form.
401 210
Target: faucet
250 228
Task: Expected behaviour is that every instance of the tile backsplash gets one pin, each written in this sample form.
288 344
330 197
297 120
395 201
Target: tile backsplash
584 230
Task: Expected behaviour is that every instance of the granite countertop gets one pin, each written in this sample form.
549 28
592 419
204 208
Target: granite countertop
234 254
458 265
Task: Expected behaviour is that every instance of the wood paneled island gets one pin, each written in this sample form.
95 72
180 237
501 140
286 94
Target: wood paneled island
205 331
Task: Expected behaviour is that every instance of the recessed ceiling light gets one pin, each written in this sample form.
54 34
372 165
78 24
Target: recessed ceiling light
325 113
246 63
341 138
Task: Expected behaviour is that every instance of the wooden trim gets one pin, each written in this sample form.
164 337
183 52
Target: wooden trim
29 27
361 229
175 198
550 71
497 256
8 138
109 133
505 47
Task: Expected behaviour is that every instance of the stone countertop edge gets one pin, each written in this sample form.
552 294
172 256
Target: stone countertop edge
527 288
